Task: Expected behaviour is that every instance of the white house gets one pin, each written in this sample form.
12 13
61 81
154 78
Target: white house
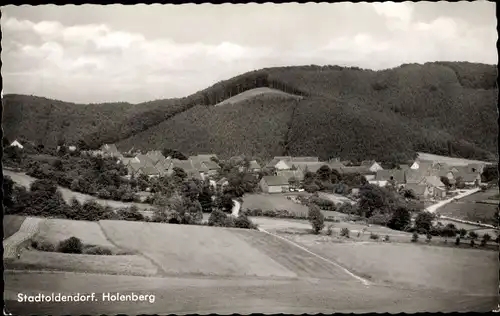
371 165
17 144
274 184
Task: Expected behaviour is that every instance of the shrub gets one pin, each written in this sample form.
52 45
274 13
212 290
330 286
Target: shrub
429 237
387 238
462 232
473 235
457 241
472 243
344 232
97 250
486 238
414 237
242 221
400 219
70 245
329 230
380 219
316 218
43 245
374 236
217 218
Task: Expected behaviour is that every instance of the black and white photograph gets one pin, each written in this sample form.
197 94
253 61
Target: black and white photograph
294 158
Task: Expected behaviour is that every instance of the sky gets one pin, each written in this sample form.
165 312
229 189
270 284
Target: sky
117 53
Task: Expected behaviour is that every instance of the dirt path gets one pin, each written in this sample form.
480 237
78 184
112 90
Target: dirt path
433 208
27 230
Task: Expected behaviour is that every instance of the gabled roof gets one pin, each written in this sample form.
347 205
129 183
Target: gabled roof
465 173
434 181
109 148
418 189
211 165
336 166
304 159
309 166
391 174
356 169
368 163
404 167
185 165
254 164
288 174
145 159
275 180
150 171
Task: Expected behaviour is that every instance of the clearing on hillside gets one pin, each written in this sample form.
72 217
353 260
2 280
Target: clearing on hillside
199 250
470 271
449 160
56 230
256 92
55 261
11 224
268 202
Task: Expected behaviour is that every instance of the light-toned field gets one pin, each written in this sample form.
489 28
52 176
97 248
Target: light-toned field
448 160
227 296
256 92
117 264
466 208
272 202
56 230
199 250
26 231
11 224
336 198
469 271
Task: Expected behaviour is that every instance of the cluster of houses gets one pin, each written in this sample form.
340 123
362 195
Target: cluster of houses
423 177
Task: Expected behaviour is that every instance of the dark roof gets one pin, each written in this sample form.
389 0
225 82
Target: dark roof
386 175
275 180
288 174
150 171
404 167
309 166
434 181
418 189
211 165
367 163
254 164
356 169
185 165
305 159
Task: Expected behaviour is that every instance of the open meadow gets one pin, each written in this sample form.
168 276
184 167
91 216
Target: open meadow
11 224
272 202
467 208
416 266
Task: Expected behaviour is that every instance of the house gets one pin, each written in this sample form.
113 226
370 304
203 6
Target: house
420 190
287 162
211 167
155 156
17 144
465 174
150 171
371 165
187 166
253 167
72 148
404 167
110 150
291 174
127 160
205 164
309 166
274 184
385 177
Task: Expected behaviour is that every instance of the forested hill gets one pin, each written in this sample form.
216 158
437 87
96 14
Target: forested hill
442 107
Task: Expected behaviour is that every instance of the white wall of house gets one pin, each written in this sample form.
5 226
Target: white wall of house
375 167
282 165
380 183
17 144
370 177
415 165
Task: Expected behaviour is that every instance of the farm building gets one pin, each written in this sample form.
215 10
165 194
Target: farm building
298 175
274 184
384 177
371 165
287 162
17 144
420 190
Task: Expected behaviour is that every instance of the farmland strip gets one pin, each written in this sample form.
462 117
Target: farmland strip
27 230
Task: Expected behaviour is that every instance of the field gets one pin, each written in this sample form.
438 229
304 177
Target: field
54 261
448 160
470 271
272 202
11 224
336 198
467 208
255 92
56 230
180 249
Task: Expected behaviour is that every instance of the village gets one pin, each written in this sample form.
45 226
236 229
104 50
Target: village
428 177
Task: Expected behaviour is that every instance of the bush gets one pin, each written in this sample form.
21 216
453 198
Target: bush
414 237
473 235
329 230
462 232
344 232
43 245
374 236
429 237
242 221
457 241
97 250
380 219
472 243
387 238
229 221
217 218
400 219
70 245
316 218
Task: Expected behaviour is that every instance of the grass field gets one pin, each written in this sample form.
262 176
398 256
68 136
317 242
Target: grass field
255 92
272 202
448 160
199 250
126 264
467 208
56 230
470 271
11 224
